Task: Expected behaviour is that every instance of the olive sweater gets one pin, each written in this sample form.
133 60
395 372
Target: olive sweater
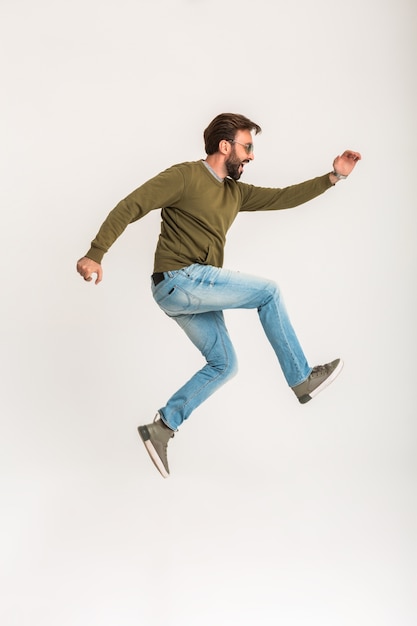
197 211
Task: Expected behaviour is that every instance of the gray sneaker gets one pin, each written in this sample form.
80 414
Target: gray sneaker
321 376
155 436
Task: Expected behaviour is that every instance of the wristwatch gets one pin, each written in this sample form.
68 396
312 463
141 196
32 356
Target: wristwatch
339 176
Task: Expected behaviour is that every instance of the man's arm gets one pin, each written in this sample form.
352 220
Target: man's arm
266 199
157 192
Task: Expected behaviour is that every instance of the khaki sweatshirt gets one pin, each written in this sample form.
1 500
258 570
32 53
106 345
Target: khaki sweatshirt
197 211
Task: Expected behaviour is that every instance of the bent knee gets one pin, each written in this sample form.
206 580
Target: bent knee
232 367
227 368
272 292
273 289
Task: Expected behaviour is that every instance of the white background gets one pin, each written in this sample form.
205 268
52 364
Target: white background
275 513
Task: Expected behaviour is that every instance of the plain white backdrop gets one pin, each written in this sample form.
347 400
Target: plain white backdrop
275 513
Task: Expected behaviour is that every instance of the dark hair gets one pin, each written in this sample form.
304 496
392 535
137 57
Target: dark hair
225 126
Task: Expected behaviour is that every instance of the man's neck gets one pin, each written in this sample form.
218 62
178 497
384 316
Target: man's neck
216 163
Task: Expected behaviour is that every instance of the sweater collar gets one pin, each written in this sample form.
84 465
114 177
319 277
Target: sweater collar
211 170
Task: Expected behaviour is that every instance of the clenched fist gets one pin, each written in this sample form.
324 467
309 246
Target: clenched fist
86 267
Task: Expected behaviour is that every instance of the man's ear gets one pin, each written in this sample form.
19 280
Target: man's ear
224 146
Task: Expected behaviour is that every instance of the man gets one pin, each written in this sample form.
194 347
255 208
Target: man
199 202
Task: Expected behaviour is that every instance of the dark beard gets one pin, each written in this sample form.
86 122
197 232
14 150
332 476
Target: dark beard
232 166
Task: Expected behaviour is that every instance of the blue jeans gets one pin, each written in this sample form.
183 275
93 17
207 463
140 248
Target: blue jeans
195 298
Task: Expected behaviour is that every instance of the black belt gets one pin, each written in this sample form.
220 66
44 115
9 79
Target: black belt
157 278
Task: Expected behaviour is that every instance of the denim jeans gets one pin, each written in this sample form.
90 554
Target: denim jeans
195 298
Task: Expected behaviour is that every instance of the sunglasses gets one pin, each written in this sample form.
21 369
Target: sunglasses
248 146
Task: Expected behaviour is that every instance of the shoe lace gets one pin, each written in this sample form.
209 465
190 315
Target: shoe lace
318 370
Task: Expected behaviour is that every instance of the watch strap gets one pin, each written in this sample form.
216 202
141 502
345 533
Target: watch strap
339 176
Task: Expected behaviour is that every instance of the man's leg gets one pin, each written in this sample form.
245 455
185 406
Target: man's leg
201 289
209 334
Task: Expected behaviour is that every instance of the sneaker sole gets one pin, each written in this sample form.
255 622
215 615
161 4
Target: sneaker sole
156 459
328 380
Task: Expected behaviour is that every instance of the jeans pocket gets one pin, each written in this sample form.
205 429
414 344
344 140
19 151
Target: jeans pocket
174 300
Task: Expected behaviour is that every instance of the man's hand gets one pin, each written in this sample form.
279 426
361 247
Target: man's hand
345 163
86 267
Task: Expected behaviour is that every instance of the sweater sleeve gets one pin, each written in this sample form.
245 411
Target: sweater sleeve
162 190
269 199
